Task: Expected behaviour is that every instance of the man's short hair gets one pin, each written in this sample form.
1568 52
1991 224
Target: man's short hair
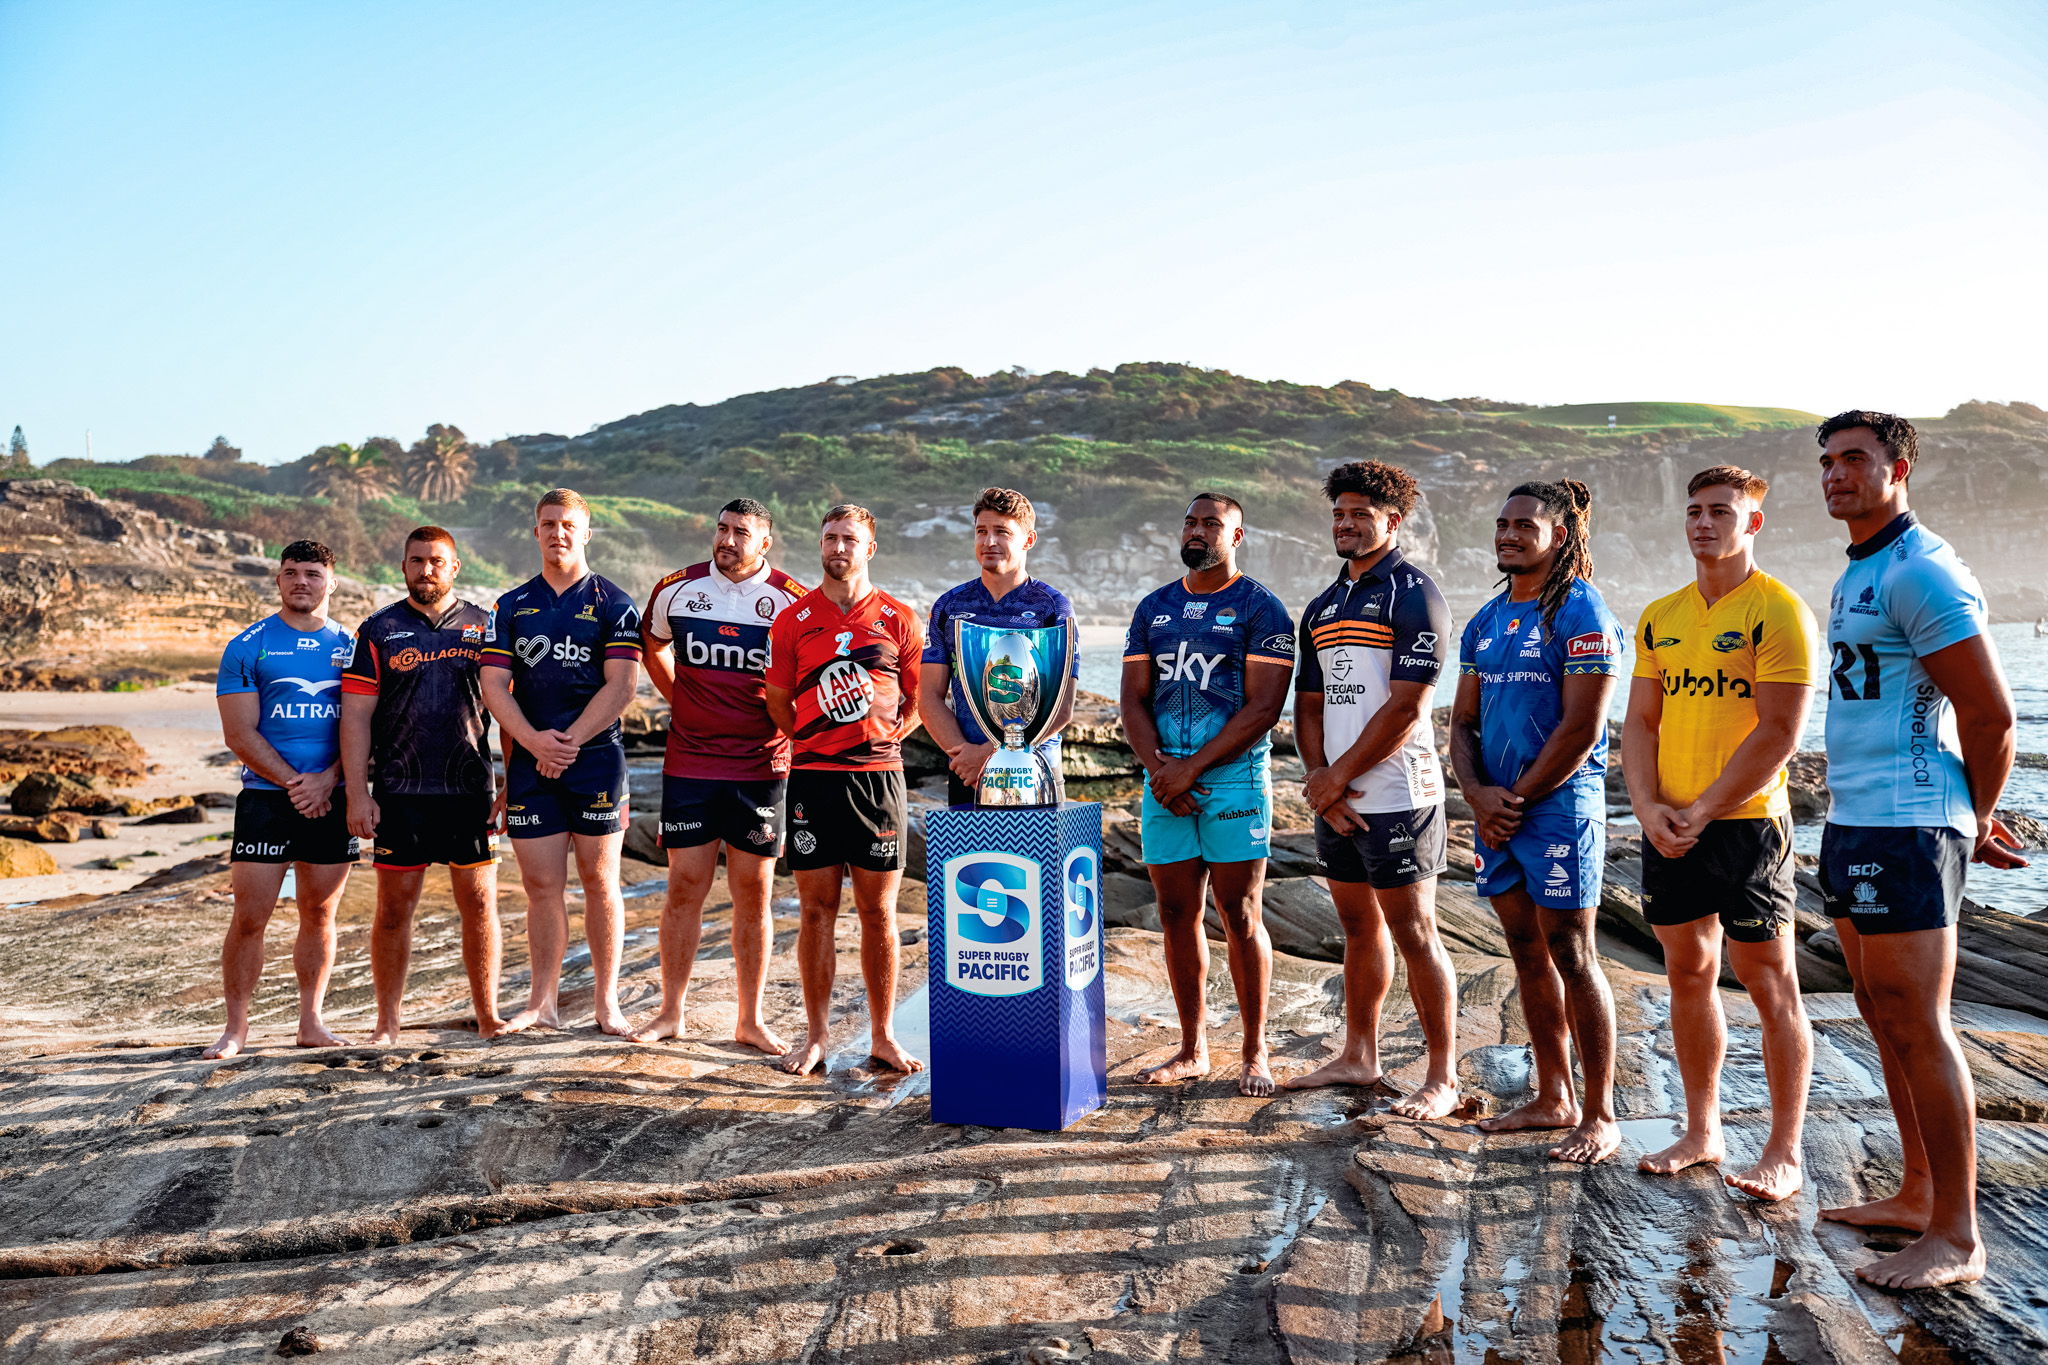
306 552
747 507
1387 485
1223 498
429 533
568 499
1749 485
1895 434
850 511
1006 502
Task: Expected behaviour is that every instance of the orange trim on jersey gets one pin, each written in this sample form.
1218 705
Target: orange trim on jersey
355 685
1213 591
1267 659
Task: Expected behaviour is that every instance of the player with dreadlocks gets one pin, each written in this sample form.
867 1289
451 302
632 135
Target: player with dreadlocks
1529 746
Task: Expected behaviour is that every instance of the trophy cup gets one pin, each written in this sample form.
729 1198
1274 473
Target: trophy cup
1013 680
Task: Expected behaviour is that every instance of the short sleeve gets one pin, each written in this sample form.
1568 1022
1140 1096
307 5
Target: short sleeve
1062 614
1422 630
1646 653
910 647
1932 604
1270 636
238 665
1786 642
654 621
1588 637
1468 653
363 674
781 670
938 643
622 627
1308 673
497 651
1138 639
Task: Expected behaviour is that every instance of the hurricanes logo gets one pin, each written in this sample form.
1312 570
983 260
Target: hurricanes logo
1727 641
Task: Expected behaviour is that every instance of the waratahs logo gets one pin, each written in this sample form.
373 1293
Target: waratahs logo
1081 896
992 923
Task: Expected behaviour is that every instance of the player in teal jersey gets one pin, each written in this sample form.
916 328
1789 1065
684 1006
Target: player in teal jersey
1920 743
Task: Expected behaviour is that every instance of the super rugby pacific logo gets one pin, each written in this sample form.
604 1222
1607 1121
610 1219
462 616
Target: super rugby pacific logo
1081 900
992 923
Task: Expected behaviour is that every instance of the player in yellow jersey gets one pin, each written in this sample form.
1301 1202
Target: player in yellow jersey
1725 669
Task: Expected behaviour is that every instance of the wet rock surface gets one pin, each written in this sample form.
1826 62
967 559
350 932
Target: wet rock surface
568 1197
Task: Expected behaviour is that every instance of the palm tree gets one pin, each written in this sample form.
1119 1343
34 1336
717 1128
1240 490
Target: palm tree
439 468
348 474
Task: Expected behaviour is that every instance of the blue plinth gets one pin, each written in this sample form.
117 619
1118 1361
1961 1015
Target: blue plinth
1018 1038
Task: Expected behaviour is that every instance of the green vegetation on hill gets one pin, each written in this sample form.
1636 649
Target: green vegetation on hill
1714 417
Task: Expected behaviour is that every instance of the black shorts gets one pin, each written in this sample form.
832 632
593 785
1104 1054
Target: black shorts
413 831
846 817
589 798
1740 870
747 816
1893 880
1392 848
268 830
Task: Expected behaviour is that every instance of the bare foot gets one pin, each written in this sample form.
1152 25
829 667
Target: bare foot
1537 1113
1895 1212
1256 1078
491 1026
227 1045
807 1056
525 1019
1929 1263
667 1024
1435 1100
610 1019
890 1054
317 1034
550 1017
1771 1179
760 1036
1181 1066
1336 1071
384 1035
1589 1144
1690 1150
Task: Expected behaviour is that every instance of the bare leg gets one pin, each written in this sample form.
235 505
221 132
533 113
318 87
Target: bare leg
476 900
241 954
690 874
1433 987
1699 1036
1767 972
1181 888
319 896
544 873
1911 1206
604 921
750 879
398 895
1542 992
1590 1008
1368 976
874 899
817 891
1238 887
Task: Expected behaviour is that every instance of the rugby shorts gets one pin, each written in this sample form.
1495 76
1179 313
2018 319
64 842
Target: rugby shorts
269 830
1558 856
1887 880
1740 870
415 831
1389 849
745 815
589 798
840 818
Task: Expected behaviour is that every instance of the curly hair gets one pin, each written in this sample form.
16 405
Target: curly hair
1895 434
1387 485
306 552
1571 504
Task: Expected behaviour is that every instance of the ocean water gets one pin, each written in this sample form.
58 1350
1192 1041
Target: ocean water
2024 655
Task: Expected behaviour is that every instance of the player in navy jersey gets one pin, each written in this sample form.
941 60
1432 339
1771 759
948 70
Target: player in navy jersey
1206 667
561 661
1004 594
1920 743
413 720
280 713
1537 665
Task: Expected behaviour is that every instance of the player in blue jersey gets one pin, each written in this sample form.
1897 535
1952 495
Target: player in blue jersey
1920 743
279 694
1536 667
1206 668
561 661
1004 594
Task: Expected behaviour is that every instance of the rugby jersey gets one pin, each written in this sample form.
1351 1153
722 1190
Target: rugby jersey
556 645
296 675
429 733
719 726
853 677
1033 604
1199 645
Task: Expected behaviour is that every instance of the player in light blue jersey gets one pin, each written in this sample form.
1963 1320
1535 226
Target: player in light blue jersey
279 693
1206 667
1529 745
1920 743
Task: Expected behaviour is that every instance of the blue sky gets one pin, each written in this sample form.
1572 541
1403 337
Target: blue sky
298 223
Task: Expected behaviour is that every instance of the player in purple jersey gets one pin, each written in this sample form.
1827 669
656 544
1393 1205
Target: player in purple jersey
1529 745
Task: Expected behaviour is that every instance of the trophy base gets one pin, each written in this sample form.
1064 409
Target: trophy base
1016 777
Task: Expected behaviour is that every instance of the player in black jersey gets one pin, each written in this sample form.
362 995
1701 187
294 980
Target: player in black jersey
413 718
561 660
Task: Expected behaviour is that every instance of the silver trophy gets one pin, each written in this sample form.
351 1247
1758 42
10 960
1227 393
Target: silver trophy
1013 679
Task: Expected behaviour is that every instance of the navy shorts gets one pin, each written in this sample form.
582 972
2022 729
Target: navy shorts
1887 880
1392 848
704 810
589 798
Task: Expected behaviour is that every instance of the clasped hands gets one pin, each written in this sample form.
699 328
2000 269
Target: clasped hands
553 751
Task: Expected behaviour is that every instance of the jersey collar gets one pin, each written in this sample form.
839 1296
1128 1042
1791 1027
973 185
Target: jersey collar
1894 528
752 580
1378 573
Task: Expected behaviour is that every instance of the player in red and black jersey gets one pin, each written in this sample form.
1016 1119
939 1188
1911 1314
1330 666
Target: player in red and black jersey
413 718
842 683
